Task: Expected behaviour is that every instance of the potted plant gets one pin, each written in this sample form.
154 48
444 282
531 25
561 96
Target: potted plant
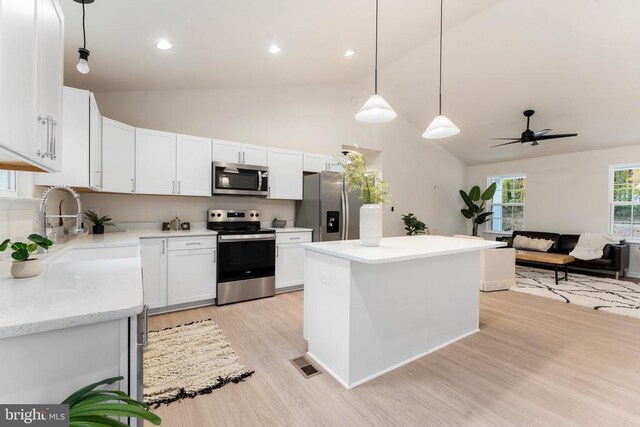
91 407
99 222
412 225
373 193
476 212
23 266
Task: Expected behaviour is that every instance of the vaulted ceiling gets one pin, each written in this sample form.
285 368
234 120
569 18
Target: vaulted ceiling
573 61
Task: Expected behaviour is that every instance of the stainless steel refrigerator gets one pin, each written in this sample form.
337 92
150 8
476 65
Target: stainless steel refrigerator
329 208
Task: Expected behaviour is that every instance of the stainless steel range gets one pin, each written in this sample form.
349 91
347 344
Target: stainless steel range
246 256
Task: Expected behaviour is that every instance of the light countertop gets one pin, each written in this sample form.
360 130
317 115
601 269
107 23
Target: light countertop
292 230
395 249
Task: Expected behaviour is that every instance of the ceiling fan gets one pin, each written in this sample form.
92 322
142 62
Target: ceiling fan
530 137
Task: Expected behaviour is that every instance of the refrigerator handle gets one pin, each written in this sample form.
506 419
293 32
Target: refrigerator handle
345 217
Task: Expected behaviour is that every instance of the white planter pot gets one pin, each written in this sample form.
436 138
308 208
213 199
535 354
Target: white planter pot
370 225
24 269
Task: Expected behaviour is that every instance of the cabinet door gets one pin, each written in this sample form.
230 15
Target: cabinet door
118 157
285 174
335 166
50 44
315 162
153 253
95 145
18 77
289 265
226 151
193 168
155 162
192 275
254 155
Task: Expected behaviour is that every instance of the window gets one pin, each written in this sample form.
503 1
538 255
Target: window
7 183
624 198
508 203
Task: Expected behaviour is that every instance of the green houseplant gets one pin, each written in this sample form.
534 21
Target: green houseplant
99 222
373 193
474 211
23 265
412 225
89 407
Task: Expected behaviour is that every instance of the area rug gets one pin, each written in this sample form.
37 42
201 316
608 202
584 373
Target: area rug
600 293
188 360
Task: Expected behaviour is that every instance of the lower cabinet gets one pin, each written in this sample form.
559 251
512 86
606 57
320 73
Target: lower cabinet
290 259
178 270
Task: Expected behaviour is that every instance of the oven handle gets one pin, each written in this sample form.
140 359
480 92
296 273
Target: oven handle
245 237
259 180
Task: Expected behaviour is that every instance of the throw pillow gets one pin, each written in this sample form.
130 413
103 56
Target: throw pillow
529 244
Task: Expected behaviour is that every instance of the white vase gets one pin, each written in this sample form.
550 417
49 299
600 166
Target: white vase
24 269
370 225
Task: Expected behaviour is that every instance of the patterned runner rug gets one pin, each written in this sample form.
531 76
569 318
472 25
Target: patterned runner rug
188 360
600 293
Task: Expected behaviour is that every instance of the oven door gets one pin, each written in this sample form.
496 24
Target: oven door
229 178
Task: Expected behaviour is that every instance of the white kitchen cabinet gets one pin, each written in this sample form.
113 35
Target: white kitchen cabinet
155 162
118 157
31 55
285 174
320 163
153 253
226 151
235 152
193 167
192 275
82 151
290 258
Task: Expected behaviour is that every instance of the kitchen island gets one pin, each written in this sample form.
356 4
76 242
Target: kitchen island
369 310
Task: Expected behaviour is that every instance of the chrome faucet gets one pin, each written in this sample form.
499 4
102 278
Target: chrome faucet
42 218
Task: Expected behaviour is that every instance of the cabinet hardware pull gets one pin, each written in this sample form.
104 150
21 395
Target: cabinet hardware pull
277 251
193 243
215 255
54 139
133 185
178 187
173 187
294 238
145 310
163 247
244 157
43 121
239 157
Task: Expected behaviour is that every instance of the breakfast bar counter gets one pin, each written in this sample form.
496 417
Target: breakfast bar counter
369 310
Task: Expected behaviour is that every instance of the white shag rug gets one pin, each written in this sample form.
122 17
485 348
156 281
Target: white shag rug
188 360
599 293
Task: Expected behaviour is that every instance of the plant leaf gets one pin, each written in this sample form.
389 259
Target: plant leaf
489 192
116 410
77 395
20 254
94 421
467 213
474 194
40 240
4 245
467 200
483 217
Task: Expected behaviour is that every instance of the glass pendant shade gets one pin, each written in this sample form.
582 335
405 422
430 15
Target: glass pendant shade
440 127
83 66
376 110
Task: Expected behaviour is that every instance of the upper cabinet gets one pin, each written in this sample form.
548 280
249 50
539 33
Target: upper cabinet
320 163
155 162
235 152
193 167
82 153
31 64
285 174
118 157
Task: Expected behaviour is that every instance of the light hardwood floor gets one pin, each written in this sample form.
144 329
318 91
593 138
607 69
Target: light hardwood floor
535 362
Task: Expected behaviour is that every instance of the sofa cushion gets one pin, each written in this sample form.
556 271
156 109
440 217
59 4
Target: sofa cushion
593 263
567 243
527 243
539 235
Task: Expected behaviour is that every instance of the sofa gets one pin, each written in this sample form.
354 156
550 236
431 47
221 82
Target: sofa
615 258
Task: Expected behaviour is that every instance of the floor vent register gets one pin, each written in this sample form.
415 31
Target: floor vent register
306 368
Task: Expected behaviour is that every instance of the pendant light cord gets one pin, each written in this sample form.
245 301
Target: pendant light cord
440 90
376 66
84 32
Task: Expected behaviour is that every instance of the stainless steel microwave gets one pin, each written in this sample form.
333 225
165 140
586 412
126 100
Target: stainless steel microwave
238 179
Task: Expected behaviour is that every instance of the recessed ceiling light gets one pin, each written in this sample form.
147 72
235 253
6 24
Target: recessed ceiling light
274 48
164 44
349 52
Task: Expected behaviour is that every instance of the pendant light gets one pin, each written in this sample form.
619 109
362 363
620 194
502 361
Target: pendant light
441 126
83 53
376 109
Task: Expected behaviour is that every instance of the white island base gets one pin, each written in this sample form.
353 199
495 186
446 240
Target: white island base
368 311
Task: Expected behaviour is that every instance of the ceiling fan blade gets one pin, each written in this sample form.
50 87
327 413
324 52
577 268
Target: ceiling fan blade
560 135
506 143
505 139
542 132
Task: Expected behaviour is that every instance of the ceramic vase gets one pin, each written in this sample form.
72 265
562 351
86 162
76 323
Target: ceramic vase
24 269
370 225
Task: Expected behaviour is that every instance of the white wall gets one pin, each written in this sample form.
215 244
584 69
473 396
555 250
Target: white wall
567 193
318 119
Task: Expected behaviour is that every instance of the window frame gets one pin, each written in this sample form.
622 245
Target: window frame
491 204
613 203
12 192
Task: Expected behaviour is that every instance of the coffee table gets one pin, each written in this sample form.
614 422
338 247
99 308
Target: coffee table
554 260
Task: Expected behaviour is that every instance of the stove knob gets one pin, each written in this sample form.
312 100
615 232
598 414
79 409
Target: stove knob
251 215
219 215
257 215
